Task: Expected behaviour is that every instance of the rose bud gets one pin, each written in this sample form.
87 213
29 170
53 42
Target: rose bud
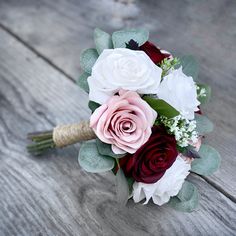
156 54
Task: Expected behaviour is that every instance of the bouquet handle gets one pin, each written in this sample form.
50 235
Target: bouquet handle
64 135
61 136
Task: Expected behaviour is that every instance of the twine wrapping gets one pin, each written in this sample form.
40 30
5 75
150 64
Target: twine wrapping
64 135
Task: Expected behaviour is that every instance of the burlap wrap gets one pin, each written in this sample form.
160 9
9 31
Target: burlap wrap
64 135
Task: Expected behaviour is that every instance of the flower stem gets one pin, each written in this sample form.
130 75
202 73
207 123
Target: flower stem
42 142
117 162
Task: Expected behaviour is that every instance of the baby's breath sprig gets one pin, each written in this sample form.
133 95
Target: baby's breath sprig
201 92
168 64
184 130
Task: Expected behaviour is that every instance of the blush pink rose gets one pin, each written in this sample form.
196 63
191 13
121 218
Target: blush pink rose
124 121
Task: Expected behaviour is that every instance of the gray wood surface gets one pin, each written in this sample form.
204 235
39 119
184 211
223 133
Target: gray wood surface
40 43
51 195
58 30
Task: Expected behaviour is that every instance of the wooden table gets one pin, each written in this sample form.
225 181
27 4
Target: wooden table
40 44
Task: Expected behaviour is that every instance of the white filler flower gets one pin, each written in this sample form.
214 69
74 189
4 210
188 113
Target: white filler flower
168 186
179 90
122 68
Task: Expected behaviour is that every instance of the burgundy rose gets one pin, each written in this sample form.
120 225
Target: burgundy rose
155 53
149 163
199 111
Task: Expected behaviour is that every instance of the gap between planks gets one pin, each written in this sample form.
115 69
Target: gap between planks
19 39
3 27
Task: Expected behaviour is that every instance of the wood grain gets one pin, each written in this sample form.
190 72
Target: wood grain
51 195
59 30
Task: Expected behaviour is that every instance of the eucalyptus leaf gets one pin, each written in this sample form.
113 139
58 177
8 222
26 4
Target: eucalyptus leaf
83 83
120 38
93 105
102 40
203 124
209 161
105 149
87 59
189 66
187 199
92 161
161 107
206 98
186 192
122 188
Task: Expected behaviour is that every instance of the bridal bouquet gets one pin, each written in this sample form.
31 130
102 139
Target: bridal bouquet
146 124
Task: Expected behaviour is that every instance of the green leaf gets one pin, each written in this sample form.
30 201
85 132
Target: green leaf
187 199
91 161
120 38
102 40
87 59
189 66
204 99
208 163
122 188
203 124
161 107
93 105
83 83
105 149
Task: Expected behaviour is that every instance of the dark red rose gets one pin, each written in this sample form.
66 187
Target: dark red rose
199 111
149 163
154 52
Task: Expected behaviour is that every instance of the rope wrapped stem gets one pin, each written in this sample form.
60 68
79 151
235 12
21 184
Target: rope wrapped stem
64 135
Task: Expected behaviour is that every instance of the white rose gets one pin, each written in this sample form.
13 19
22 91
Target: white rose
179 90
122 68
168 186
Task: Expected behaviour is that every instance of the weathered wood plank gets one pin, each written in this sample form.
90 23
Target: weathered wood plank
61 29
51 195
